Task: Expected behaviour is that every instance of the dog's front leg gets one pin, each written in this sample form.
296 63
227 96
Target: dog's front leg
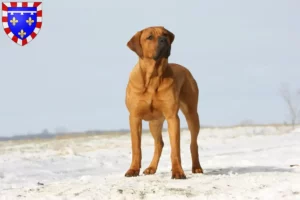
136 133
174 134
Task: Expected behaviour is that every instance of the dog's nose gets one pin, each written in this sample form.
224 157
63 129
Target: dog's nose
162 39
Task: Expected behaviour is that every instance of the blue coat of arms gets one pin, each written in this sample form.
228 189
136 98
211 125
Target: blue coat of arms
22 21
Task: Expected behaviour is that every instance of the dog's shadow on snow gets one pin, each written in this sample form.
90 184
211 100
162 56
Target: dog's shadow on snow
245 170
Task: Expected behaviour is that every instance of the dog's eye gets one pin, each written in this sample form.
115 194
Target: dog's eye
150 37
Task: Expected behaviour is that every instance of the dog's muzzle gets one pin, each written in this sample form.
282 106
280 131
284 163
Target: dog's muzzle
163 48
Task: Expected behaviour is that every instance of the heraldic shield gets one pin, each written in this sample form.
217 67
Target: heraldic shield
22 21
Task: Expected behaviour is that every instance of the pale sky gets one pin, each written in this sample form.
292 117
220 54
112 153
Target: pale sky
74 73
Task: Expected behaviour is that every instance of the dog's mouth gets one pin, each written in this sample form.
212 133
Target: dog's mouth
163 51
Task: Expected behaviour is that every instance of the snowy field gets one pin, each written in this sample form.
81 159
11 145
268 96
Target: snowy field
238 163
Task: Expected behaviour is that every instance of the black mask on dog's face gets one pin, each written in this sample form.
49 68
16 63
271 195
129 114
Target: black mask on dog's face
153 43
163 49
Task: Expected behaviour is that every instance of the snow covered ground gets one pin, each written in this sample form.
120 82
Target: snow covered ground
238 163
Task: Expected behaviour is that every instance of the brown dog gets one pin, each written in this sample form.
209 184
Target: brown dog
156 91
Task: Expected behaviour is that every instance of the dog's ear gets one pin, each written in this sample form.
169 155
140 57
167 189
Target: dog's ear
135 45
171 36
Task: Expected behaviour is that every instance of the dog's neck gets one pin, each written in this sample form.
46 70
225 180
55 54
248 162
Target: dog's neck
152 72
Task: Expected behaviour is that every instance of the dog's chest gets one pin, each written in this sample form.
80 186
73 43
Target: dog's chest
148 106
151 102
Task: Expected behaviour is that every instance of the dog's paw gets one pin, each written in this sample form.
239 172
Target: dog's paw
149 170
197 170
178 175
132 173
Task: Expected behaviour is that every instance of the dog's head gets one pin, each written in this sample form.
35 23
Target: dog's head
152 43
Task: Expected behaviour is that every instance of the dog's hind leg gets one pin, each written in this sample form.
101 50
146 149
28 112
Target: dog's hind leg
194 127
189 109
156 131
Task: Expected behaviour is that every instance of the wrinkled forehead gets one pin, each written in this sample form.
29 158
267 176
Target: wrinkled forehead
156 30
